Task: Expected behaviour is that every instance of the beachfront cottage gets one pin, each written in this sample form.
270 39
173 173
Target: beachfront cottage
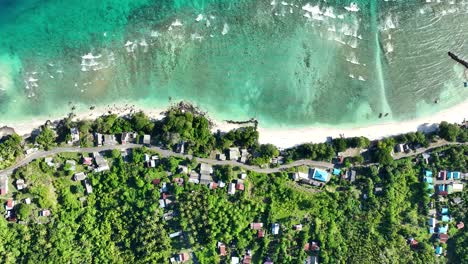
128 138
75 136
98 139
146 140
233 153
221 156
109 140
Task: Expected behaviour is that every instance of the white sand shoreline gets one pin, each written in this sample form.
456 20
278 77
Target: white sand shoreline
281 137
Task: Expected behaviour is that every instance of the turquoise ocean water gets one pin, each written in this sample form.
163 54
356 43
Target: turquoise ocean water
287 63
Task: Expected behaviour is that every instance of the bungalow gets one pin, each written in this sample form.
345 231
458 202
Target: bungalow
31 150
445 218
351 175
110 140
260 233
443 238
128 137
20 184
183 257
180 148
432 222
442 189
240 187
428 173
88 187
146 140
221 184
100 162
275 229
221 156
213 185
400 148
256 226
456 187
3 184
232 189
44 212
205 179
336 172
300 176
179 181
156 181
426 157
439 250
247 259
206 168
243 175
75 135
182 169
168 216
457 200
444 211
442 175
443 229
318 175
162 204
98 139
79 176
222 249
27 200
71 165
235 260
175 234
244 155
49 162
9 204
87 161
194 177
233 153
298 227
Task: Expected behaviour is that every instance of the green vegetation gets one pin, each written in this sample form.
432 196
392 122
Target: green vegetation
121 221
46 138
10 150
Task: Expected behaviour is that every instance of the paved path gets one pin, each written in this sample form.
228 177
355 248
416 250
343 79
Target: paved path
164 153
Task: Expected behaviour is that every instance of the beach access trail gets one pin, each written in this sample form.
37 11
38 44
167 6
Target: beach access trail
168 153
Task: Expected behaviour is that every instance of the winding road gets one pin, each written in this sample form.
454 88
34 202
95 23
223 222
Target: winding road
166 153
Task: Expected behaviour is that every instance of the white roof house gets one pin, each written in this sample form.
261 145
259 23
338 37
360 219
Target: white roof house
206 168
232 188
75 135
234 153
146 139
79 176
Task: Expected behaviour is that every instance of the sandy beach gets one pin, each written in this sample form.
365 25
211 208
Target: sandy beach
281 137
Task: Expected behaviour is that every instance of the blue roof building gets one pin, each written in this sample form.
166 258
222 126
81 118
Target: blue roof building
428 173
430 187
456 175
428 179
445 211
442 188
449 175
336 172
319 175
432 222
431 230
443 229
439 250
445 218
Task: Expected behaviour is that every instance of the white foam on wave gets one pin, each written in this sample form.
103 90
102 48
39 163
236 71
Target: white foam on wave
199 18
225 29
353 7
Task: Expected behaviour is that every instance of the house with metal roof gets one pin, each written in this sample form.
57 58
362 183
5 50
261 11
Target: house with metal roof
319 175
